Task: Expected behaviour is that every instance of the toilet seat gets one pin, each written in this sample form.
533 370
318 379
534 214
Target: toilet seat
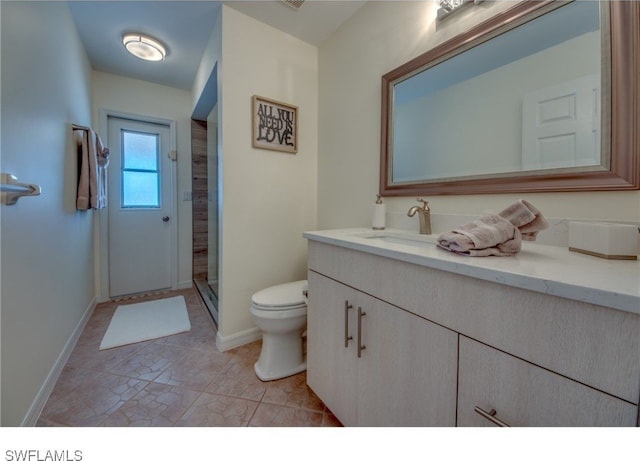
283 297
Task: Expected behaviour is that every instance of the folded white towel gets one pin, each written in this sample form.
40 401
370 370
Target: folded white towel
496 234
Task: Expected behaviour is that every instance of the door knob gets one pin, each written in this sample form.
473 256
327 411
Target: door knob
165 218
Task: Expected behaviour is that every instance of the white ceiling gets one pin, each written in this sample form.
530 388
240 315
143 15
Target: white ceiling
185 28
314 22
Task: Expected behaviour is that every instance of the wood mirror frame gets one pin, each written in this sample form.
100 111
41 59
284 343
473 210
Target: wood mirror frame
624 165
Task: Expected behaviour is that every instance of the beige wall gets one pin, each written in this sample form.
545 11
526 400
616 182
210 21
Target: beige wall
268 199
378 38
121 94
47 246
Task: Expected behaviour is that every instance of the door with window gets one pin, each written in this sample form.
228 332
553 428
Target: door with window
140 207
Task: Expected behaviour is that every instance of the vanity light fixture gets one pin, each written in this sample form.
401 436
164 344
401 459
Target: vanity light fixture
295 4
449 6
144 47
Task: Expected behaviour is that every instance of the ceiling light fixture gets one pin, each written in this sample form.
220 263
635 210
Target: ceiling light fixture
144 47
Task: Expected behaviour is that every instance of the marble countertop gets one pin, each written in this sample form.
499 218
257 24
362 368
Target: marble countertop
543 268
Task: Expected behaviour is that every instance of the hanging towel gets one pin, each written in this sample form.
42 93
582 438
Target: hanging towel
83 200
102 162
92 180
496 234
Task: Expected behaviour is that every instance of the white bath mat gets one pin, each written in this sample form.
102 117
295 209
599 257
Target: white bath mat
148 320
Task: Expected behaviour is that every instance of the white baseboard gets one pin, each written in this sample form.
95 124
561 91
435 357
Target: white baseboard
185 284
181 286
31 418
225 343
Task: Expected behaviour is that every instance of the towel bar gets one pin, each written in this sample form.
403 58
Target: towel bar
80 127
12 190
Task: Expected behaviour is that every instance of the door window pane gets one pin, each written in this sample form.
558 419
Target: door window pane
140 189
140 174
140 151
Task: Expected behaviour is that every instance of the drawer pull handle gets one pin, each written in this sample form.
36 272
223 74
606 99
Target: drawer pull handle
347 338
491 416
361 347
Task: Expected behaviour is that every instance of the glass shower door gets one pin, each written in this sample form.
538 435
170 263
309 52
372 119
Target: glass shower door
212 214
204 151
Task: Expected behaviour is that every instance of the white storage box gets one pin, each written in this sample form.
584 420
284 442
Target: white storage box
605 240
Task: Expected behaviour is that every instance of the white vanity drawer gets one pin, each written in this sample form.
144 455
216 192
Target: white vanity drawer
523 394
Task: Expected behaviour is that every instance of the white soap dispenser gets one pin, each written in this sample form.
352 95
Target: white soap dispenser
378 218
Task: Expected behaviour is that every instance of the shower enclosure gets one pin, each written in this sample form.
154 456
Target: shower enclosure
204 166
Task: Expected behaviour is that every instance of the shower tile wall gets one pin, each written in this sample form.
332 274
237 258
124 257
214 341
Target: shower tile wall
199 197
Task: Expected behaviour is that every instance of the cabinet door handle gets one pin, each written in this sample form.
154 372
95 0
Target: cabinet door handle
361 347
491 416
347 338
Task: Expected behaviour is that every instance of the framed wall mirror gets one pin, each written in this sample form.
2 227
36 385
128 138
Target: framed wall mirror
541 97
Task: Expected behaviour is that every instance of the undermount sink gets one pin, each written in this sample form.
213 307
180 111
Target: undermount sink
399 238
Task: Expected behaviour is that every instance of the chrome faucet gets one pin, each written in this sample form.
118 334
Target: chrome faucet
424 214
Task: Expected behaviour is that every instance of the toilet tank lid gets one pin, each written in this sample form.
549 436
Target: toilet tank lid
287 294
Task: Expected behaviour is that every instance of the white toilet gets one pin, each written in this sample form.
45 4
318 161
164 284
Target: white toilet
280 312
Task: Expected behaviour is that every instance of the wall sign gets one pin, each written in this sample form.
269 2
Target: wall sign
275 125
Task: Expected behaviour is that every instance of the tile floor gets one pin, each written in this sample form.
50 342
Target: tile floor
179 380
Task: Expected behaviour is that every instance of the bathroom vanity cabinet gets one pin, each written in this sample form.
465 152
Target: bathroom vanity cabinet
451 340
352 343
